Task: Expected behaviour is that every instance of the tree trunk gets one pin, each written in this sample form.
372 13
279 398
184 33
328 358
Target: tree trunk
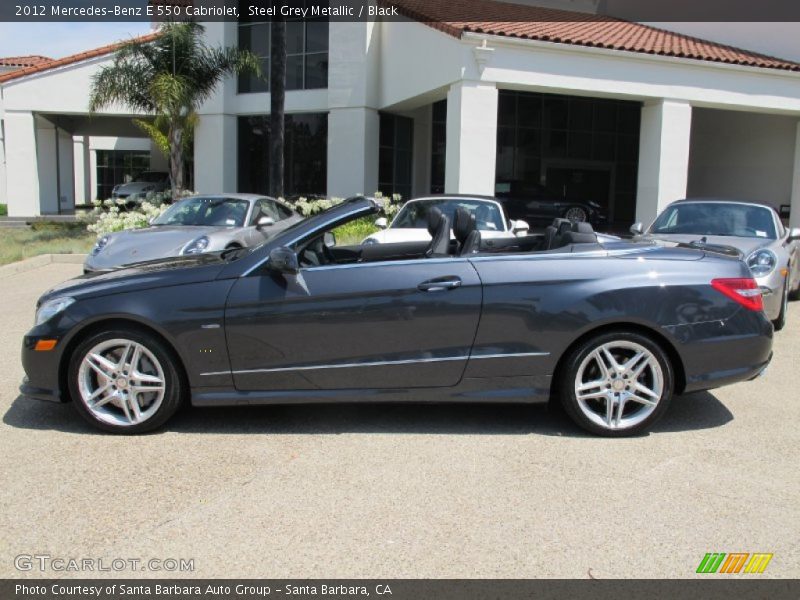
176 160
277 82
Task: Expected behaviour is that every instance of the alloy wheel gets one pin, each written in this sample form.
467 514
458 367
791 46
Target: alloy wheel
121 382
576 215
619 384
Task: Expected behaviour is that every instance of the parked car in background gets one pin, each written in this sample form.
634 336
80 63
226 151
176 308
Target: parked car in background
411 222
539 205
754 229
193 226
143 184
601 328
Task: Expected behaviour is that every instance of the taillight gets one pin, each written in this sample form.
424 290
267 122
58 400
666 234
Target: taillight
745 291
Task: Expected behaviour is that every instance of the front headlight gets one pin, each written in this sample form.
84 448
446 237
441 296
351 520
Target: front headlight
196 246
762 262
51 308
99 245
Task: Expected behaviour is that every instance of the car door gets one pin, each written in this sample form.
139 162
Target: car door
391 324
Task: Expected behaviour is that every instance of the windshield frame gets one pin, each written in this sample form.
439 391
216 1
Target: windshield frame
776 230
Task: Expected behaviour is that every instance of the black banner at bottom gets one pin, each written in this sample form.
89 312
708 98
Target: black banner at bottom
394 589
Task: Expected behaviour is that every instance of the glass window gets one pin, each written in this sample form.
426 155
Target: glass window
716 218
395 155
414 215
214 212
438 146
118 166
305 154
306 51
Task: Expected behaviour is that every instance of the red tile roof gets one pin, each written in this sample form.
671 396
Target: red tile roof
455 17
23 61
75 58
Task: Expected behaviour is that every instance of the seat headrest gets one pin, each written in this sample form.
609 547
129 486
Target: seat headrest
434 218
564 227
582 228
464 223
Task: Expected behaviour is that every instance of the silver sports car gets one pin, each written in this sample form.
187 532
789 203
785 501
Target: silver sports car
193 226
755 230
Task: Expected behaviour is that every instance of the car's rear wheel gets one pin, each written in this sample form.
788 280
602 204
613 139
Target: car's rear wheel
124 381
576 214
617 384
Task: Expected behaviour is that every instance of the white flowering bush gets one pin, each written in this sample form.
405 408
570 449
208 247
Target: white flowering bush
111 215
311 207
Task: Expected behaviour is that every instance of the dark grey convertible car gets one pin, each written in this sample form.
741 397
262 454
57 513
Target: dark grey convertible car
612 330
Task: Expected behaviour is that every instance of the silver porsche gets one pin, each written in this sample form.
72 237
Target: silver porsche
755 230
195 225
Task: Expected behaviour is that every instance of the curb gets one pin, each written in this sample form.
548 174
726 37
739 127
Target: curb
36 262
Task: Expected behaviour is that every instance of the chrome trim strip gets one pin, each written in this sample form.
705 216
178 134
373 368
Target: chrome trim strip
380 363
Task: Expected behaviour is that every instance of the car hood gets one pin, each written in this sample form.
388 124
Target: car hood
136 245
396 236
178 270
745 245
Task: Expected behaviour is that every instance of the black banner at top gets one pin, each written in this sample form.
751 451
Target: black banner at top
473 11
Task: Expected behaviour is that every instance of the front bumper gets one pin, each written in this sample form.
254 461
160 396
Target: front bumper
38 393
772 293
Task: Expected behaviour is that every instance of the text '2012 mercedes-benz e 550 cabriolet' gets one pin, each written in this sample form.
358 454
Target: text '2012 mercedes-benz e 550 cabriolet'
610 330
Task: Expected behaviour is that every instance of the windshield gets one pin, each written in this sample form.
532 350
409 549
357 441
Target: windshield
716 218
213 212
151 177
414 215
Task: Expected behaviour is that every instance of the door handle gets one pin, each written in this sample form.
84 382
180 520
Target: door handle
440 284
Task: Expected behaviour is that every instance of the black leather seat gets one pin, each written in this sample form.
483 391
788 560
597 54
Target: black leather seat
465 230
439 228
581 233
554 233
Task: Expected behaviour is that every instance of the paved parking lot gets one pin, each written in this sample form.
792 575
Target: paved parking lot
401 491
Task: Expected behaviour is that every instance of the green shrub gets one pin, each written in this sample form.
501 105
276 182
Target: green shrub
354 232
3 210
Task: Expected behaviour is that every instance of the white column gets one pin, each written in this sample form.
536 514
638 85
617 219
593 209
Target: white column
215 154
794 217
22 166
352 151
663 156
3 196
80 152
471 138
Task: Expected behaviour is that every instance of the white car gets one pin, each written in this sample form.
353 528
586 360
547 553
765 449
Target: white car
411 223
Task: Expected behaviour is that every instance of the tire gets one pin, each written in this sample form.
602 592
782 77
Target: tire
640 410
576 214
780 322
134 395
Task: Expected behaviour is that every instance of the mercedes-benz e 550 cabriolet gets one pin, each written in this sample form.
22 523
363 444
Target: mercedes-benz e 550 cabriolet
610 330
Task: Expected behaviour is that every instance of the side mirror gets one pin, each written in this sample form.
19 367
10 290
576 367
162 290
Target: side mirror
520 227
381 223
283 260
265 222
637 229
794 235
329 239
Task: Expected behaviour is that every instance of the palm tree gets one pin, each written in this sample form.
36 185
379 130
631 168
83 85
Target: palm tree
169 77
277 83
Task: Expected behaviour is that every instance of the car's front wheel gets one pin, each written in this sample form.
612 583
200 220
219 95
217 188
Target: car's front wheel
124 381
617 384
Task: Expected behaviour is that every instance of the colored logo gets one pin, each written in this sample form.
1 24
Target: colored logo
734 563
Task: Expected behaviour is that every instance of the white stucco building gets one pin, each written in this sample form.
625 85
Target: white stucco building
629 115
